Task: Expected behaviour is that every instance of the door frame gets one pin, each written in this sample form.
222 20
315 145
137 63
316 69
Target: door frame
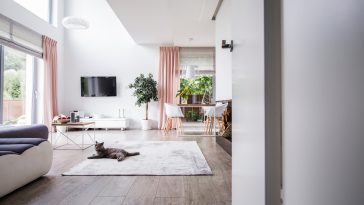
273 101
1 82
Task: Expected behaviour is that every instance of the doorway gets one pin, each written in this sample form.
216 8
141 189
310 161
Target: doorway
18 87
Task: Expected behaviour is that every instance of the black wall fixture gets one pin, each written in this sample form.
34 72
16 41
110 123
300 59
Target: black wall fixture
225 45
217 10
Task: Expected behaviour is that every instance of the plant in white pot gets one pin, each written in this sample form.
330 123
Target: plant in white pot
145 90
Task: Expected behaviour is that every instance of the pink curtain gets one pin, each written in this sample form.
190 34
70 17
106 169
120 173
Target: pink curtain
50 80
168 81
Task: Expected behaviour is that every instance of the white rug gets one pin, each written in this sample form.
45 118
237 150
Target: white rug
156 158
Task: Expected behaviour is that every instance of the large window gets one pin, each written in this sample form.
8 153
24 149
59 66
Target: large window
18 87
41 8
197 80
197 75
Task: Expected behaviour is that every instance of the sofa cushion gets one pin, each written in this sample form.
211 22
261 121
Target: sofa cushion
17 148
6 152
25 131
32 141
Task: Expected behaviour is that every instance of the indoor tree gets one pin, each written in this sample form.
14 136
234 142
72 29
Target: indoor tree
199 85
145 90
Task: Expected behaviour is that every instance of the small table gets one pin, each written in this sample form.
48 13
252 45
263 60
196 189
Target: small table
83 125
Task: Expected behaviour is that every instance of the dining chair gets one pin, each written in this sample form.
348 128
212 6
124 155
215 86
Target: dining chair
173 112
213 113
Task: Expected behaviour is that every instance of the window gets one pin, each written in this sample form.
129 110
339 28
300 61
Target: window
202 58
17 36
41 8
197 74
18 87
197 79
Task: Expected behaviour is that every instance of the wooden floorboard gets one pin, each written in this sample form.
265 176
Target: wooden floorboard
118 186
107 200
169 201
85 193
200 190
129 190
143 191
171 186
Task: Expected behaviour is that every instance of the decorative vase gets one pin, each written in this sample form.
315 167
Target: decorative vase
183 101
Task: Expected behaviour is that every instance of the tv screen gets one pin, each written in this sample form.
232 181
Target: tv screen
98 86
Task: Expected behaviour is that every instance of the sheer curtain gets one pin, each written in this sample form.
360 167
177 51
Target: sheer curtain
50 79
168 81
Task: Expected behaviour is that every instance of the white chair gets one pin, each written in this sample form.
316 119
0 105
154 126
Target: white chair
173 112
213 113
207 110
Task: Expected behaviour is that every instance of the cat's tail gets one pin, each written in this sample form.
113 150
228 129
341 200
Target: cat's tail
133 153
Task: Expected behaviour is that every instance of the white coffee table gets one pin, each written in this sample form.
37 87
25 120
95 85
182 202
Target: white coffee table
84 126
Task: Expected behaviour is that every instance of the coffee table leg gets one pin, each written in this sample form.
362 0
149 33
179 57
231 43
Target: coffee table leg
83 135
51 135
93 139
67 137
73 142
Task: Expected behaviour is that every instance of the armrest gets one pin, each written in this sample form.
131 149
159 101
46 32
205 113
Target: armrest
29 131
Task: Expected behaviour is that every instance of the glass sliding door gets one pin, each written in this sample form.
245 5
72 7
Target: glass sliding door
17 84
15 95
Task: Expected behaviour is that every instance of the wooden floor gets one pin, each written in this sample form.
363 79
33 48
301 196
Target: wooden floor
129 190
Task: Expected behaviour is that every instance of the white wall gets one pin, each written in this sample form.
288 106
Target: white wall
223 29
323 99
105 49
248 102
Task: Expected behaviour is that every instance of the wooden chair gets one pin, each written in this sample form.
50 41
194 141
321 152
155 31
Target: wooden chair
214 113
173 112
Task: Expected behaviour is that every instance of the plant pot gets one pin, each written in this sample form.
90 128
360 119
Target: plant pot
146 124
183 101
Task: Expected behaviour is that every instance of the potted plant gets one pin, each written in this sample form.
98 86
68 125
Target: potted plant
201 85
145 90
193 90
184 92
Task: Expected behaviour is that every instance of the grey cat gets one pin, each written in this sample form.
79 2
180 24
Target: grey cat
111 153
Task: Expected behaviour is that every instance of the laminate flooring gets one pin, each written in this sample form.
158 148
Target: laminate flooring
129 190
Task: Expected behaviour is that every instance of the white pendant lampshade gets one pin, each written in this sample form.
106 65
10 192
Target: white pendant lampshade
75 23
190 71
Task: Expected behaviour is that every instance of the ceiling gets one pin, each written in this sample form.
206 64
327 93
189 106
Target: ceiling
168 22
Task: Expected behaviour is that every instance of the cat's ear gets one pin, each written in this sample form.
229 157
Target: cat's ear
102 143
96 142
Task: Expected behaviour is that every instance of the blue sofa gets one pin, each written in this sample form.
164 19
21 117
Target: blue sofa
25 155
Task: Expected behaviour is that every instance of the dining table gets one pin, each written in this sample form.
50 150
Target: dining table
200 105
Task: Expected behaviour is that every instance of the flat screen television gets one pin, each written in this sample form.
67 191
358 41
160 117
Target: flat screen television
98 86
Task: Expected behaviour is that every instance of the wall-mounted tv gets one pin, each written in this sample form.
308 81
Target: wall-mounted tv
98 86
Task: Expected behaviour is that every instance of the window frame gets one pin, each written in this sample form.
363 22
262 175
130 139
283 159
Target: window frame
50 12
34 100
203 72
2 59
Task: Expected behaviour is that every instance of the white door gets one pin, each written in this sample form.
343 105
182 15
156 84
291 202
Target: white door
323 102
248 102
